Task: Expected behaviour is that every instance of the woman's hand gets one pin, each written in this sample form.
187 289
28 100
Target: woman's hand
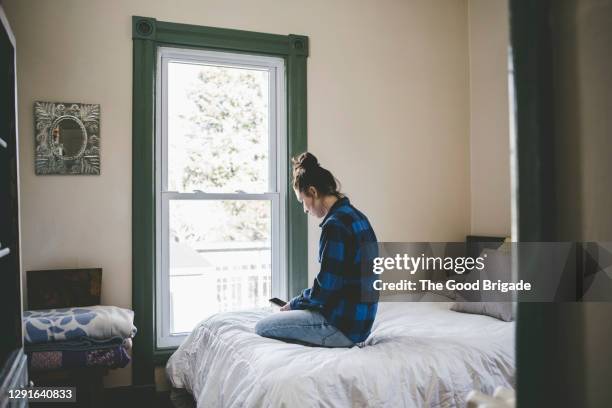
286 308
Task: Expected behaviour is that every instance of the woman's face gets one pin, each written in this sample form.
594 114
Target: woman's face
312 202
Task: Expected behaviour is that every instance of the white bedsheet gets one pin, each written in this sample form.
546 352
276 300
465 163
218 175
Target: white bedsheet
418 355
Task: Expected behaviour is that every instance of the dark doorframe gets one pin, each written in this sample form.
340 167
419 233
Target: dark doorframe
550 349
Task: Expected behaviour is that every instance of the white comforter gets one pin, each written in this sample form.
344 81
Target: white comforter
418 355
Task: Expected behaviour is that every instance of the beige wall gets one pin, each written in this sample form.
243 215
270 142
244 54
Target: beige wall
388 113
489 125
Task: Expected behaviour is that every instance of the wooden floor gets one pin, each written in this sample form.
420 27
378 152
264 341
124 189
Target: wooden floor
130 397
90 391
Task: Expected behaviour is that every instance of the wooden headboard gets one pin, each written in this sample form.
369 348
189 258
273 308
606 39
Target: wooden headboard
476 243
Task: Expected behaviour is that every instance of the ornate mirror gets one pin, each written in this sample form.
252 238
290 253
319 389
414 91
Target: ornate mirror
67 138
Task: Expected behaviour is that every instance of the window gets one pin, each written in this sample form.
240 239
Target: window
213 225
221 185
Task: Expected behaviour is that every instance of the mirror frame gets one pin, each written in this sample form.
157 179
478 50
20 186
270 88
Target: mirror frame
47 116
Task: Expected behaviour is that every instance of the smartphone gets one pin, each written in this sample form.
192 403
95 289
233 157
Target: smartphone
278 302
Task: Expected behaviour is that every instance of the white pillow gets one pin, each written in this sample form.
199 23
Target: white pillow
499 310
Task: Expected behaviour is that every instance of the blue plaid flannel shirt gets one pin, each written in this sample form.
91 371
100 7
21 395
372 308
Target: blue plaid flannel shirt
342 291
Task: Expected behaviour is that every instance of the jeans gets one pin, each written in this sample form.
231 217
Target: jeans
302 326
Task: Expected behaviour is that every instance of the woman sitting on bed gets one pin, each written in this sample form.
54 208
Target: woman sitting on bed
340 307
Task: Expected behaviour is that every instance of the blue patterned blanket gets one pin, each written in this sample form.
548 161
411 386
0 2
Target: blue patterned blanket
89 323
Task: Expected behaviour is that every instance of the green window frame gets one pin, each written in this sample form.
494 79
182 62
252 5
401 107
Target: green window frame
148 35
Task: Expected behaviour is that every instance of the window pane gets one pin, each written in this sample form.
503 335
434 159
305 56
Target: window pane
218 128
220 258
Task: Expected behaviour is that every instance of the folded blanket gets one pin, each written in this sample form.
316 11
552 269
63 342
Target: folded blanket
116 357
92 322
80 344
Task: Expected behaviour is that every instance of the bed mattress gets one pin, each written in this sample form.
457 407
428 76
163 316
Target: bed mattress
420 354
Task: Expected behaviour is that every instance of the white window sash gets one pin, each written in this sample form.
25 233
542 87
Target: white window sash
277 194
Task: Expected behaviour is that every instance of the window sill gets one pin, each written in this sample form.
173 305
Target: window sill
161 356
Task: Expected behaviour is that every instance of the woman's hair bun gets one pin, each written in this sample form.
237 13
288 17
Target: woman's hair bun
307 172
306 161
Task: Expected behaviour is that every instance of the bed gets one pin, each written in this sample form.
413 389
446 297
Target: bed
420 354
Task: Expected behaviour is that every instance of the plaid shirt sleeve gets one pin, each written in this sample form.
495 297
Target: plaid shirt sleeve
329 281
